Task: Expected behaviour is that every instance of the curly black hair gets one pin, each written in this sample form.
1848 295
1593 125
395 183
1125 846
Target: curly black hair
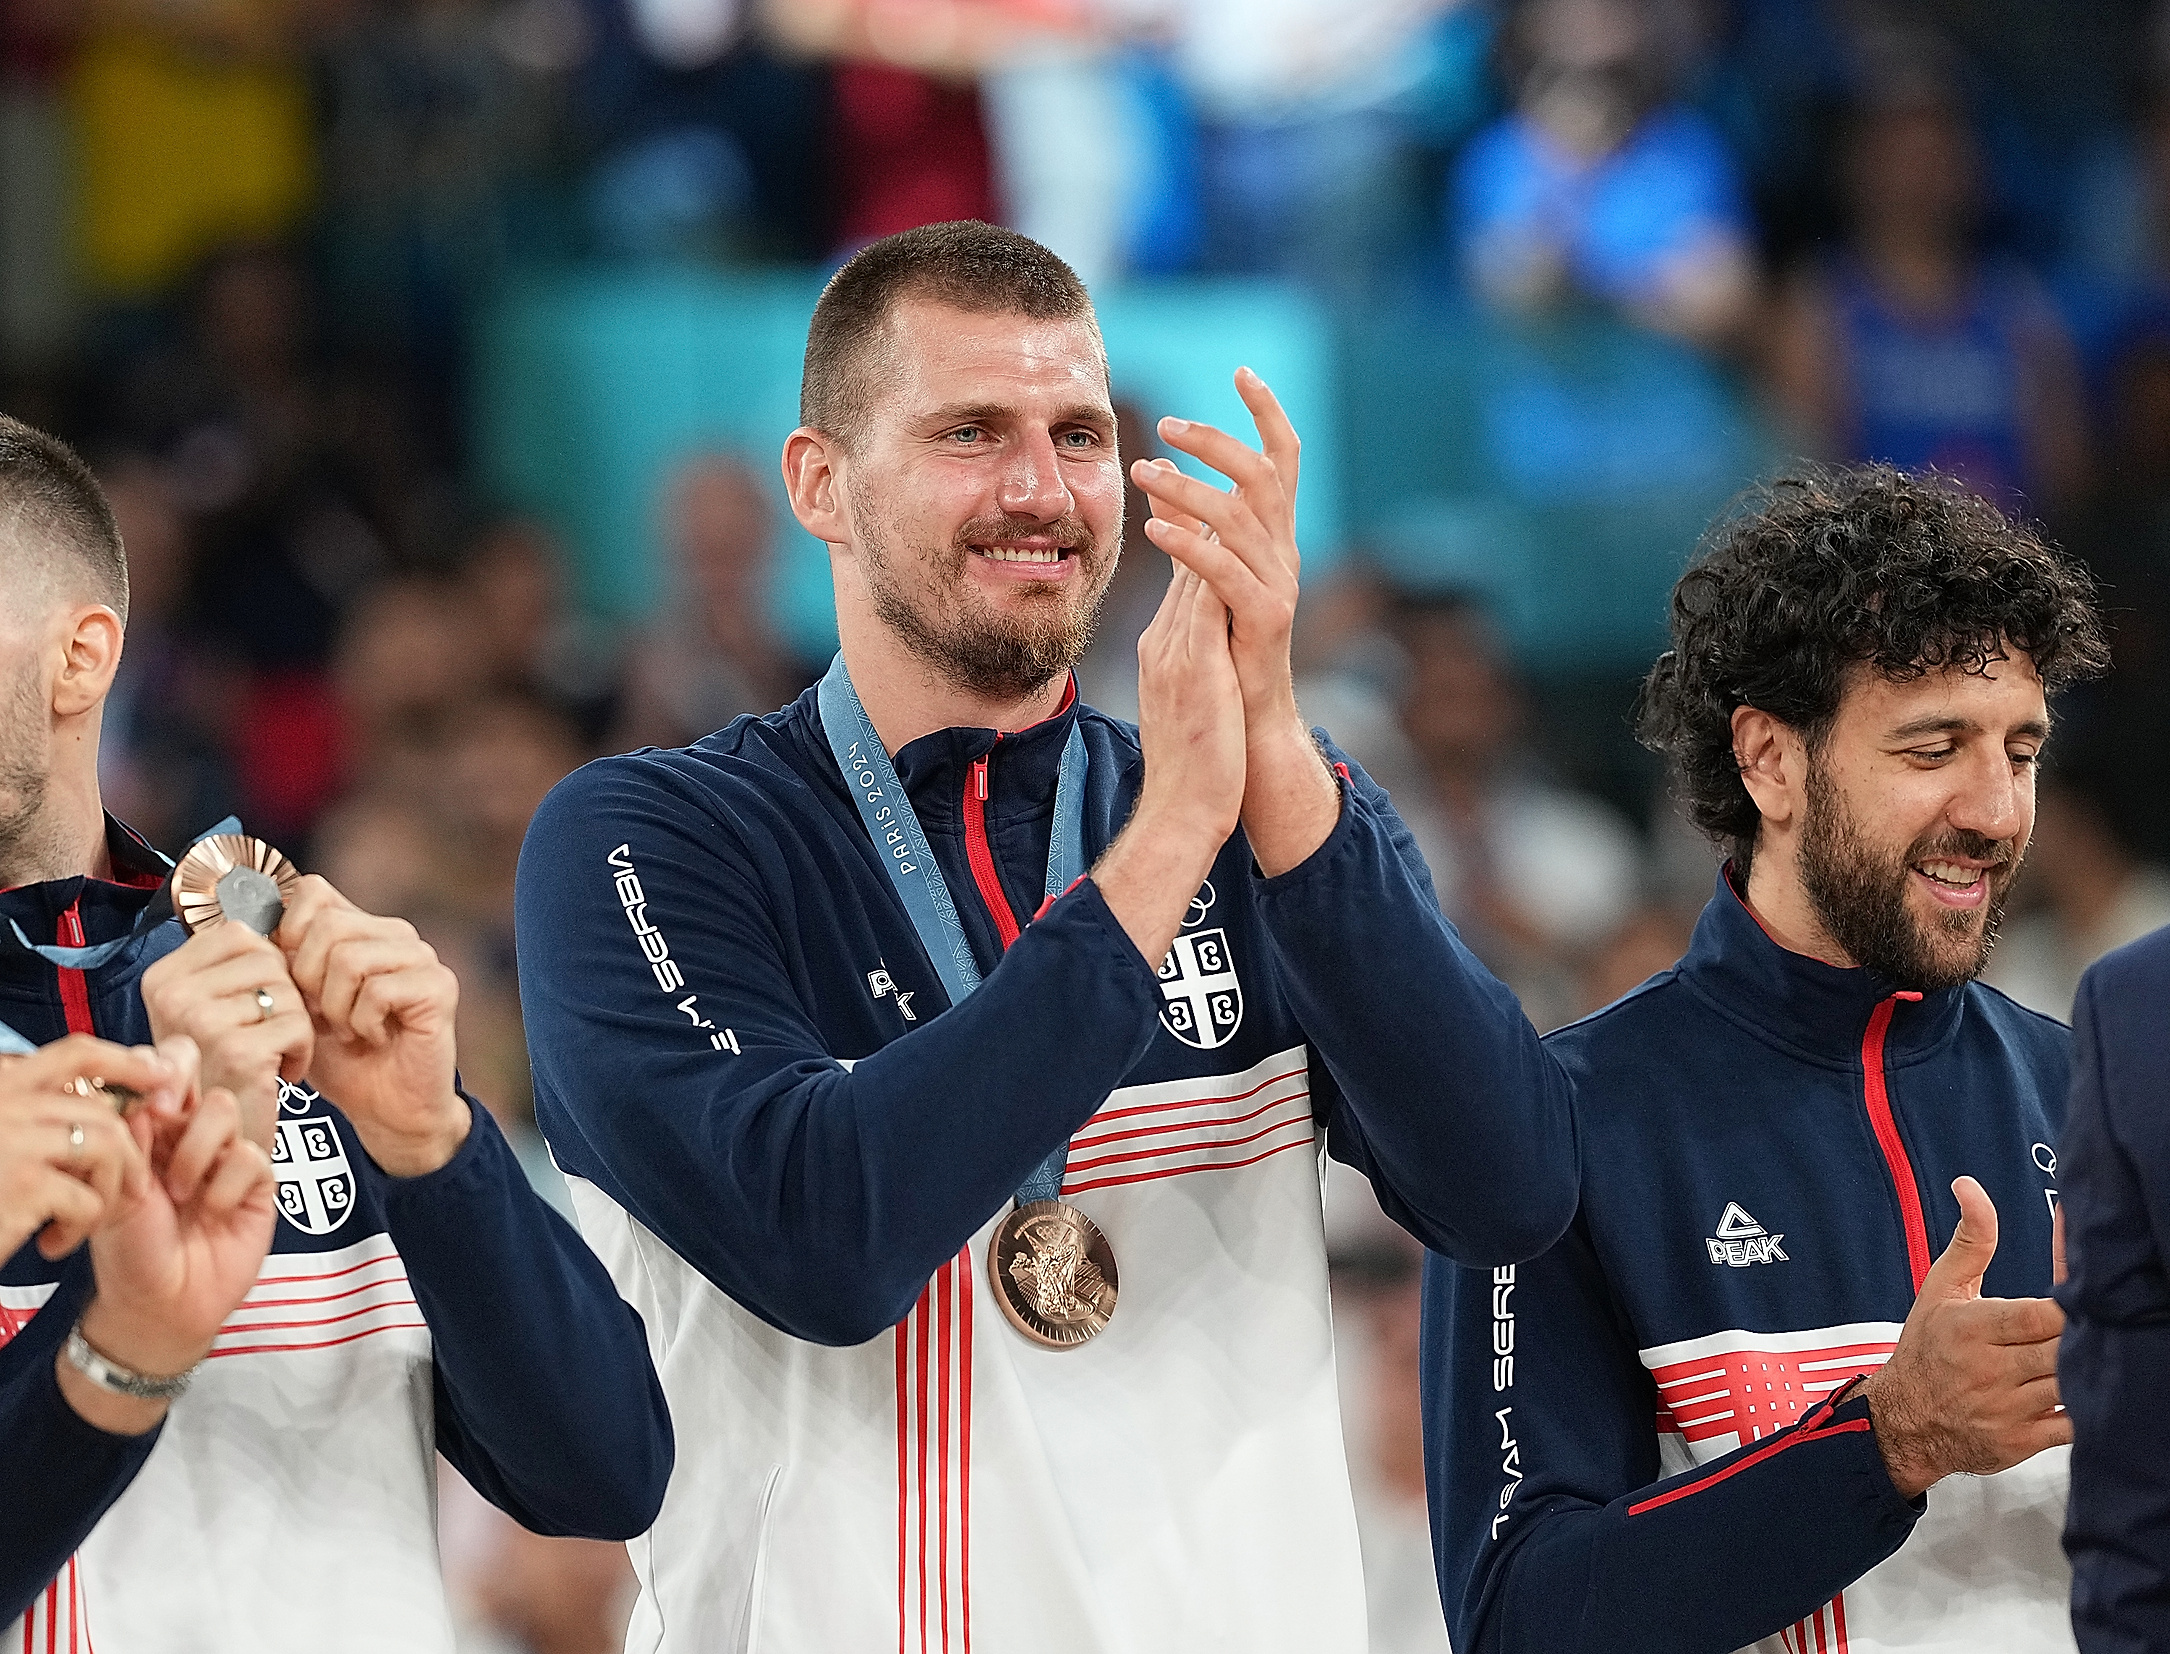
1820 572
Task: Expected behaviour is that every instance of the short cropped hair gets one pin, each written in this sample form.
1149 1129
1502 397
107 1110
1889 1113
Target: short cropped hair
1818 574
57 516
979 268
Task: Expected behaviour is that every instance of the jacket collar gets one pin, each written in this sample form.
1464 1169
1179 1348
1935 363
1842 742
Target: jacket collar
936 768
1812 1009
107 908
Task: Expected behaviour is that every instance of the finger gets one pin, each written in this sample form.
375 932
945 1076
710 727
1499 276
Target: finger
2031 1362
138 1067
2021 1320
1958 1273
72 1209
1251 471
2053 1431
1276 434
2057 1269
215 1124
1231 516
333 928
356 960
242 1171
106 1158
403 996
2038 1396
1232 577
314 898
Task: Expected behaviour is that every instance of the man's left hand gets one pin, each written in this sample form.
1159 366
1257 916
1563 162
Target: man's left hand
383 1007
1242 543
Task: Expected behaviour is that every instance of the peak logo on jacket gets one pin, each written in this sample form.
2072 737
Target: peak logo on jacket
1741 1241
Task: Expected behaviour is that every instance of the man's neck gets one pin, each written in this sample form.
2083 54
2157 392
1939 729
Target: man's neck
56 848
1777 900
906 697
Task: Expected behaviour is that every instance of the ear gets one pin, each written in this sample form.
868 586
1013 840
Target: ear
1773 765
813 477
90 639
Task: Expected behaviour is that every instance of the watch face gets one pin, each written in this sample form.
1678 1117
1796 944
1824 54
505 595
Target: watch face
233 877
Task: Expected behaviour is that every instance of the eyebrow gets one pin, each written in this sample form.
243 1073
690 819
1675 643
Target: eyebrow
989 413
2036 727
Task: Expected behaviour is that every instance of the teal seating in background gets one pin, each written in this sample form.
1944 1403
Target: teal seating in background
593 386
1564 471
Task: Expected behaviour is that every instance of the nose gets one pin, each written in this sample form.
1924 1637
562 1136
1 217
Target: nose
1032 482
1995 799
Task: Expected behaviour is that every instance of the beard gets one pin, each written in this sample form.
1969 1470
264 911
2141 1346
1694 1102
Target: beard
928 601
1860 892
23 757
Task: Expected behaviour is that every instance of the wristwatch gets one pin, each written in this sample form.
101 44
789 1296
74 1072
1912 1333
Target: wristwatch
115 1379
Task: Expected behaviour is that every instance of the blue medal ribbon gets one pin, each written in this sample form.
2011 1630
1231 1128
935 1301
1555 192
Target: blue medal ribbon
901 845
155 913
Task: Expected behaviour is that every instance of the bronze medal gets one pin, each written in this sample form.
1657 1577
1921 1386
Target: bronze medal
233 876
1054 1273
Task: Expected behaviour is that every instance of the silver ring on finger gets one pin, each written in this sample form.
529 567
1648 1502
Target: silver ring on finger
265 1004
75 1137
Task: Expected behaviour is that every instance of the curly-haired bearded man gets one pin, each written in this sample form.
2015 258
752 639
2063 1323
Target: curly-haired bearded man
1738 1403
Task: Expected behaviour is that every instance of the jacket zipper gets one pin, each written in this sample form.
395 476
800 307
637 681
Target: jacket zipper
74 986
981 854
1877 1097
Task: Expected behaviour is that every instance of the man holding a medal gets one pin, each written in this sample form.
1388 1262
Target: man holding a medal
937 993
418 1296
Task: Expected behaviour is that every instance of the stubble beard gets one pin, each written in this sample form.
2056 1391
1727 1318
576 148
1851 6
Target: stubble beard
23 766
1860 895
954 631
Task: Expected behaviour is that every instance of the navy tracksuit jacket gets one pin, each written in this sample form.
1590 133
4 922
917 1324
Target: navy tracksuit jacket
544 1396
1629 1439
2114 1366
823 1201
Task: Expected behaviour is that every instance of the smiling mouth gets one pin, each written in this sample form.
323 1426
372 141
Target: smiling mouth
1021 554
1952 875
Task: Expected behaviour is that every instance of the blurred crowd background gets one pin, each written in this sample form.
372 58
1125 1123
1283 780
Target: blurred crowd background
1550 280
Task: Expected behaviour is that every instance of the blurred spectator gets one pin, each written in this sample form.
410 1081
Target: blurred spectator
403 671
1649 940
1531 872
1377 1277
1911 346
2089 893
715 652
438 124
528 641
1597 185
1306 169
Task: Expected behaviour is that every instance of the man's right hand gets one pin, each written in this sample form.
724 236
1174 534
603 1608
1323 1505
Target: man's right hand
178 1256
207 988
50 1185
1190 725
1972 1384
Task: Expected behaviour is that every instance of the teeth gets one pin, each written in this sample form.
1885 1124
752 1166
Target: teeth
1951 873
1015 554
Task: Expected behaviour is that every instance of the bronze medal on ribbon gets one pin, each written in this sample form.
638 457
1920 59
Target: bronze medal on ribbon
233 876
1054 1273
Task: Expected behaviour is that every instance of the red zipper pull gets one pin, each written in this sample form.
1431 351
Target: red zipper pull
979 777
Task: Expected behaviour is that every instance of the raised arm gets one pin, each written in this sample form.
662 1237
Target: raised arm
711 1109
1553 1529
1447 1100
